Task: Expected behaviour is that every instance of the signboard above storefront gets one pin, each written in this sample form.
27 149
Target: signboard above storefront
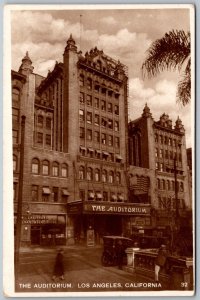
89 207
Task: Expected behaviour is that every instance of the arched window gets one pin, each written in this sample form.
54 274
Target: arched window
89 174
111 177
104 176
158 183
40 120
81 172
45 167
55 169
118 177
163 184
97 174
168 185
64 170
35 166
14 163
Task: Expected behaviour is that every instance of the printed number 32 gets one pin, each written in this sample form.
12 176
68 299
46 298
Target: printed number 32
184 284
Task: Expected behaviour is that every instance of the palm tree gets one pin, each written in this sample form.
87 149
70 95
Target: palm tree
171 52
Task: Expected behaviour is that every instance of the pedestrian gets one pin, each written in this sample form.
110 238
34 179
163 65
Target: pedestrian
120 253
59 265
160 260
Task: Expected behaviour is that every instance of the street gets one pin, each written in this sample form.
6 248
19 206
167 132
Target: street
83 273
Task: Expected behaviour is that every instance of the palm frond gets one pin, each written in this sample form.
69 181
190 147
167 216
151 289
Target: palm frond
184 90
169 52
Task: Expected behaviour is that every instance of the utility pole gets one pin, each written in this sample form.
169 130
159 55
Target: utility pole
20 195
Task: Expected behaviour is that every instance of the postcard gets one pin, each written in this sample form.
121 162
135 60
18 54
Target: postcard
98 150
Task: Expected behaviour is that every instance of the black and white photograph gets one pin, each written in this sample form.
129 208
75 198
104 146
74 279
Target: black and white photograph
99 150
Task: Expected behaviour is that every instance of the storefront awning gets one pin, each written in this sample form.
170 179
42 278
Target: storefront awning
91 195
118 157
82 148
99 196
121 197
114 197
65 192
90 150
46 190
105 153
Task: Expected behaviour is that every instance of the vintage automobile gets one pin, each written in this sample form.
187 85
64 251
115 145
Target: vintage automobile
110 254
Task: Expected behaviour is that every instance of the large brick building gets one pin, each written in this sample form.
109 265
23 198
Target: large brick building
78 172
75 148
158 169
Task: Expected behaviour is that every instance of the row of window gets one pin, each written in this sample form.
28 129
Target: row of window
43 138
170 203
97 175
43 167
48 194
90 85
42 121
98 154
167 140
169 185
169 169
15 136
98 104
103 121
92 195
106 139
15 114
161 153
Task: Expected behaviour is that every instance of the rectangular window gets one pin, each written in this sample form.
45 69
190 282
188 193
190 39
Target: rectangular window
110 124
156 152
117 144
82 98
96 119
55 194
116 109
48 139
103 105
15 136
161 153
96 136
103 122
14 191
81 115
103 138
161 167
48 123
96 103
116 126
89 117
82 132
110 107
89 100
34 193
166 154
40 120
15 114
110 140
89 134
40 138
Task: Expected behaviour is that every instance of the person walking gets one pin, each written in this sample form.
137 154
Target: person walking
59 265
160 260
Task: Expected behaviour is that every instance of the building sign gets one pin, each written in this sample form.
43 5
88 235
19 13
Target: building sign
75 207
126 209
42 219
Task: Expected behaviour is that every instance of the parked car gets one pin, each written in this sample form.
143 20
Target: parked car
110 254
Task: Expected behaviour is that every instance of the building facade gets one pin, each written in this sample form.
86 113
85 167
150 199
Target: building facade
75 149
158 170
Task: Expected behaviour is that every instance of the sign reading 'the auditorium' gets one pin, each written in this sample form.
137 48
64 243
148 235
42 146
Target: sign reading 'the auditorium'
116 208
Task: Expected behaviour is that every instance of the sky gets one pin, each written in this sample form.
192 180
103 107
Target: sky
123 34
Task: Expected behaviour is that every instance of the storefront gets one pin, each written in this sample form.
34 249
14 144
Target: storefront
105 218
44 230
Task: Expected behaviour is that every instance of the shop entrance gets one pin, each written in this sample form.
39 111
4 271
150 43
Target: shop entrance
114 225
35 235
